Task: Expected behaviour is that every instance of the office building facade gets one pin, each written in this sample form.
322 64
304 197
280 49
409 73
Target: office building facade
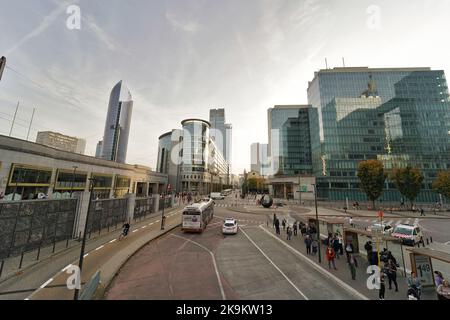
400 116
61 142
259 156
221 132
117 126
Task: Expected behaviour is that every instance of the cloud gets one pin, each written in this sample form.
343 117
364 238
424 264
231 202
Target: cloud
45 24
188 26
99 33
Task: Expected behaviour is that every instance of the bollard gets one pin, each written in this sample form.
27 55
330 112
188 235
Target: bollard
54 245
21 260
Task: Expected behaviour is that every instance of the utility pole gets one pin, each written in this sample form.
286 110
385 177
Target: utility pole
83 244
14 119
29 128
2 66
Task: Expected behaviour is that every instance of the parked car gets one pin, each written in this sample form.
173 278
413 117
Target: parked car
217 196
230 226
385 228
408 233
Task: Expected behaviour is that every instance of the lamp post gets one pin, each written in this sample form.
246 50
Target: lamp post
164 205
73 180
317 221
83 244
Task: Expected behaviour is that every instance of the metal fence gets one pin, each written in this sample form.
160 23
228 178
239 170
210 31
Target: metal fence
107 213
30 225
143 207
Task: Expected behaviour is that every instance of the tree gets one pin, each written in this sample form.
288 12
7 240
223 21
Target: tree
442 183
408 182
371 176
256 184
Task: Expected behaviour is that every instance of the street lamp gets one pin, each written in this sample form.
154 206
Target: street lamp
73 180
317 221
164 205
83 244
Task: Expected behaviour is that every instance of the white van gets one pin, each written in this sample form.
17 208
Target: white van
217 196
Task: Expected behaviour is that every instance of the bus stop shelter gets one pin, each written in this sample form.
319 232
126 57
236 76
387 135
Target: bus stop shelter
327 225
425 260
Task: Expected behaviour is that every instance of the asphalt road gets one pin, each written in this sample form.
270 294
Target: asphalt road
250 265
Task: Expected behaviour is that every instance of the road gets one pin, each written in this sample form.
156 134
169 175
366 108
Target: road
250 265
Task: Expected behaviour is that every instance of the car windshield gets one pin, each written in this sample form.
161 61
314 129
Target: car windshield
403 230
229 224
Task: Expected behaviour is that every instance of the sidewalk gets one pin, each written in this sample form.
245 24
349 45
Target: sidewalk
343 271
64 248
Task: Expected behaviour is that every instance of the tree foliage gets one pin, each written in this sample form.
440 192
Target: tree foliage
442 183
371 176
408 182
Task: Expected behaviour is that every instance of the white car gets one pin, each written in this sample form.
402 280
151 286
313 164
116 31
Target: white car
217 196
408 233
384 228
230 226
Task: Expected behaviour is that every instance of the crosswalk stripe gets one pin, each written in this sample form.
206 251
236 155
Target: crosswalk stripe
390 222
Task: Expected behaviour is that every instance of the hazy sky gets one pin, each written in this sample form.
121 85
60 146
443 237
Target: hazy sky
181 58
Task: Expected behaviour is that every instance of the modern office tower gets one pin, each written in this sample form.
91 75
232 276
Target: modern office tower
400 116
117 127
191 159
61 141
260 158
221 132
293 139
98 149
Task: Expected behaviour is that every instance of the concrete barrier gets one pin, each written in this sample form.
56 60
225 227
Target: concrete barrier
90 287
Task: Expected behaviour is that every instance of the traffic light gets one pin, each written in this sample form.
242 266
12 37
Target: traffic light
2 66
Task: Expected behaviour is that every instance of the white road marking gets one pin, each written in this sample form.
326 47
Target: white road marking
276 267
151 223
99 248
447 243
143 227
373 221
319 268
67 267
135 230
213 259
390 222
46 283
85 255
113 240
156 221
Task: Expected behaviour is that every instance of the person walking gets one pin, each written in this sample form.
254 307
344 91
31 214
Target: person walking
288 233
308 243
341 245
369 248
335 242
330 257
422 212
277 226
284 224
382 287
348 250
391 269
438 278
274 219
315 246
350 221
295 228
353 264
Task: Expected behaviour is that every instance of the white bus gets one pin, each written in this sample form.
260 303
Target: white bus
197 216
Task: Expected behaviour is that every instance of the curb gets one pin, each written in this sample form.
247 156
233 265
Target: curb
106 280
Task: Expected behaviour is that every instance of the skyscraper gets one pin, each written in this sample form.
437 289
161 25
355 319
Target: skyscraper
259 158
221 132
117 127
400 116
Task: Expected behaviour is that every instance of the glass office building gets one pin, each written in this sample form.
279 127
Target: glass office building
399 116
293 139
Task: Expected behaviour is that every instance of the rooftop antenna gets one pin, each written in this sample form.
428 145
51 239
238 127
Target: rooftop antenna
29 128
14 119
343 62
326 63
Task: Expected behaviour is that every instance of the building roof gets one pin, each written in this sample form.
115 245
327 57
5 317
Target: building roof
198 120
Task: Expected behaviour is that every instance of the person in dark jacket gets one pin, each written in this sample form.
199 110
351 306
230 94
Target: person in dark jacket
294 228
369 248
336 245
308 242
391 270
277 226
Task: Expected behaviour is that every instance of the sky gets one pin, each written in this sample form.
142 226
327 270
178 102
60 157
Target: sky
181 58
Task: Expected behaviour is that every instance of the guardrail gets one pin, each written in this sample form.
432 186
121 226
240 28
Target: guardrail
90 287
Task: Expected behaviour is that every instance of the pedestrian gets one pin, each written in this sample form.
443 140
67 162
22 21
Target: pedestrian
353 264
350 222
438 278
308 243
414 286
341 245
330 257
443 291
335 243
315 246
391 269
382 287
277 226
348 250
274 219
422 212
289 233
284 224
369 248
295 228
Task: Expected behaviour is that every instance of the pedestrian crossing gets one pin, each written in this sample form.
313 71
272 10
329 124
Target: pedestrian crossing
226 205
